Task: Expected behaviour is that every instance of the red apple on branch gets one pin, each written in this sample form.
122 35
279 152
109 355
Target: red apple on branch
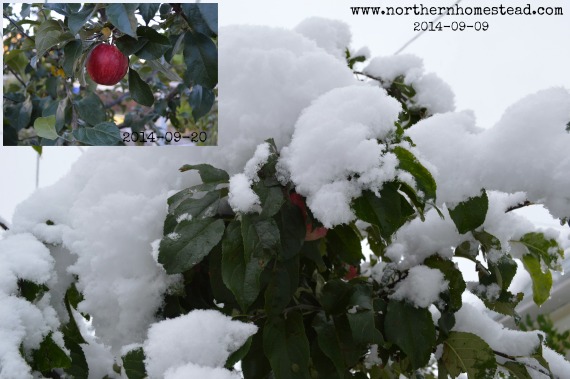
107 65
311 234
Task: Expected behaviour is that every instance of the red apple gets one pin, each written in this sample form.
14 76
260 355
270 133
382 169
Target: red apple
352 273
311 234
107 65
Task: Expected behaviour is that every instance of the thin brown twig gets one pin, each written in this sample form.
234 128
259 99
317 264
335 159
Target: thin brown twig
117 100
514 359
18 27
525 203
17 76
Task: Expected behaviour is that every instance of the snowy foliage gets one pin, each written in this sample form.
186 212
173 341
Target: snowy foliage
360 149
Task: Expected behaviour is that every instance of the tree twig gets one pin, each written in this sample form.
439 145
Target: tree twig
117 100
525 203
18 27
17 76
514 359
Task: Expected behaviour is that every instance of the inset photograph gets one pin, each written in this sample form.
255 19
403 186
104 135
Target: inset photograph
110 74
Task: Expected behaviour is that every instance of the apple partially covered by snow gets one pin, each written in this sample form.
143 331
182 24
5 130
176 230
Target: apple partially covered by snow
107 65
312 234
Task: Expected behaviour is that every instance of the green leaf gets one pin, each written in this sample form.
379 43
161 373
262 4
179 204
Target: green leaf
292 229
201 58
191 208
76 20
189 243
91 109
24 114
73 338
343 241
271 198
133 363
239 275
164 68
540 249
424 180
139 89
452 274
261 238
203 18
122 15
52 83
412 330
502 272
446 322
336 296
71 53
255 364
25 12
470 214
49 356
38 149
239 354
176 41
17 61
129 45
364 332
329 342
102 134
71 331
352 353
201 100
45 127
505 304
282 285
361 296
468 250
79 368
389 211
488 241
467 353
47 36
156 46
29 290
63 114
148 10
517 369
541 280
287 347
547 250
208 173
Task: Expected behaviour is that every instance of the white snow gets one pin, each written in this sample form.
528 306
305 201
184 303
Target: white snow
279 73
421 287
242 198
202 337
336 137
332 35
260 157
527 150
23 257
390 67
417 240
191 370
512 342
23 323
102 221
434 94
